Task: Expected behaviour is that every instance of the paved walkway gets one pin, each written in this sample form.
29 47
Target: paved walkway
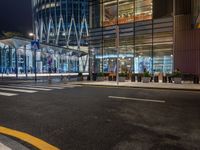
7 143
183 86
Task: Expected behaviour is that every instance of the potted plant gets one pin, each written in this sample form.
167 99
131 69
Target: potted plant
100 76
177 76
122 77
80 76
146 77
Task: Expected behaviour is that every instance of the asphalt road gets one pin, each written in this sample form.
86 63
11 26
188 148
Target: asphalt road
100 118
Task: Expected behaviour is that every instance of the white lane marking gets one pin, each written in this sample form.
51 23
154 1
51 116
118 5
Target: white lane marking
7 94
18 90
48 87
29 88
72 86
3 147
137 99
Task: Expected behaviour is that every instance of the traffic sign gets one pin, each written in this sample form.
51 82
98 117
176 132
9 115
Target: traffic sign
35 45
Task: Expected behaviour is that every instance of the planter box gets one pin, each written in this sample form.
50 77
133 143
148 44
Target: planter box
155 79
139 78
177 80
164 79
122 79
133 78
146 79
100 78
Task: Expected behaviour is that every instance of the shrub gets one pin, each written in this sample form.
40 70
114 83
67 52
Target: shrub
80 74
177 74
146 74
122 74
100 74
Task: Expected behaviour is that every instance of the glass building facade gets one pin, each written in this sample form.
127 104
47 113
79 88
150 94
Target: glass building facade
61 22
144 40
18 57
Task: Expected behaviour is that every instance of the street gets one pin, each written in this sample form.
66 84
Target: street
73 117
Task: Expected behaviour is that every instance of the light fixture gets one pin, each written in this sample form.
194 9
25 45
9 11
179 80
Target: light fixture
31 34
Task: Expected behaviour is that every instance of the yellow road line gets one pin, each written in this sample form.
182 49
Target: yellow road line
38 143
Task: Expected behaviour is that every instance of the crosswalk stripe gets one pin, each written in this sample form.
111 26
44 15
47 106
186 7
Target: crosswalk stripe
7 94
47 87
18 90
72 86
29 88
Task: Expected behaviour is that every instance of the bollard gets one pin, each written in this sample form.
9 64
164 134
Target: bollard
196 79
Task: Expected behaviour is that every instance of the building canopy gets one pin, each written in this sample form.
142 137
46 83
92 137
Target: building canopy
17 42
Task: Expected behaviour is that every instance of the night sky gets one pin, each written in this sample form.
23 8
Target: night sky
16 16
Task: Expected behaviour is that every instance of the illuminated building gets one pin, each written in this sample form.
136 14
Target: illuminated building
149 35
61 22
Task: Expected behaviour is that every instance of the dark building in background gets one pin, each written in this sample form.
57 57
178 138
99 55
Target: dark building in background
153 34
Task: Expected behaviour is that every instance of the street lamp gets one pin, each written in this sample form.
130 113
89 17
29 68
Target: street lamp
31 34
34 47
117 48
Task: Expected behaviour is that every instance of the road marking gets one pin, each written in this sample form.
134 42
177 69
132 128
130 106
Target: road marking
29 88
38 143
3 147
18 90
7 94
137 99
48 87
71 86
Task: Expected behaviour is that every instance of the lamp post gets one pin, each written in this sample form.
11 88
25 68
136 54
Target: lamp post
25 61
34 46
117 48
174 33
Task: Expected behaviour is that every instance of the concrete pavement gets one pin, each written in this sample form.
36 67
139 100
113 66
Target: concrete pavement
151 85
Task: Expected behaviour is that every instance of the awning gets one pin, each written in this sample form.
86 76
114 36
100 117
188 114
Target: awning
17 42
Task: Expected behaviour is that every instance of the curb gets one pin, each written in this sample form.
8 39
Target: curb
139 87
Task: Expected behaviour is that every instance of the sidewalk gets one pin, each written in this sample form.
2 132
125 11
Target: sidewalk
6 143
151 85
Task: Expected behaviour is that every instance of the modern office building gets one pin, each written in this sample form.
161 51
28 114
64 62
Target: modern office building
153 35
61 22
61 26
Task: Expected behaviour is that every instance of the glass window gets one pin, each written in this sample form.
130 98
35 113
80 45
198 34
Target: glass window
109 13
126 11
